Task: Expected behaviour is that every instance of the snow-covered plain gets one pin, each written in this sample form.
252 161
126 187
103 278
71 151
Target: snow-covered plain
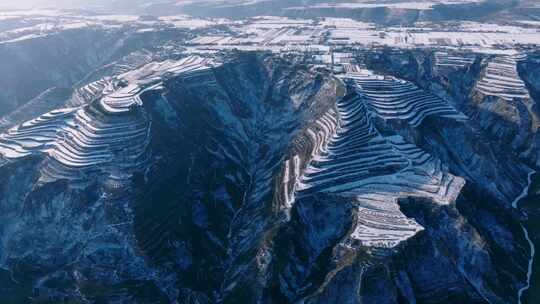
283 33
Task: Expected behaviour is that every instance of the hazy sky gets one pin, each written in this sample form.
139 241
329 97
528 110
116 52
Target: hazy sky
52 3
32 3
122 5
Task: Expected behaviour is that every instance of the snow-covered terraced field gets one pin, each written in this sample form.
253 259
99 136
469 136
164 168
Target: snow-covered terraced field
132 61
392 98
375 171
105 86
445 60
91 91
148 77
111 131
76 139
501 79
312 143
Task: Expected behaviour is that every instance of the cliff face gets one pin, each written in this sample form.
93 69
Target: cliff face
221 153
256 179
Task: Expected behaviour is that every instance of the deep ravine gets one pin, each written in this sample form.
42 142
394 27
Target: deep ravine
529 204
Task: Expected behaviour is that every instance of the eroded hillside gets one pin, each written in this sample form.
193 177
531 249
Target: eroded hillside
250 178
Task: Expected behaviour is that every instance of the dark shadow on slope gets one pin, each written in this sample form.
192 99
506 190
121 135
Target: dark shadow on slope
218 140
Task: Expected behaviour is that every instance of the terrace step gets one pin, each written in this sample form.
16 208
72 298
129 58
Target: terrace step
392 98
452 61
501 79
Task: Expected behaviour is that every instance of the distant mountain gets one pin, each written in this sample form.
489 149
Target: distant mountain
394 12
387 11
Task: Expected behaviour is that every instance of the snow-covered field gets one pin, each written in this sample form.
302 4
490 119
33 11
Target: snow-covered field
269 32
283 33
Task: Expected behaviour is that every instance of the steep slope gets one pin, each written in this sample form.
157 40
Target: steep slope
235 127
